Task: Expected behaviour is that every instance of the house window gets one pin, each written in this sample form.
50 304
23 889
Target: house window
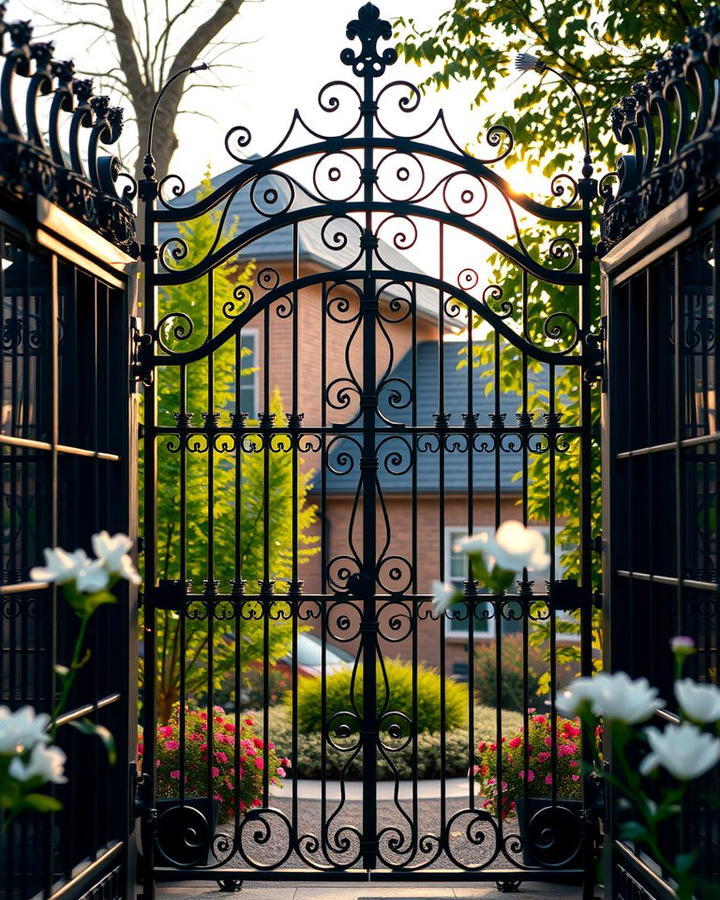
249 378
456 572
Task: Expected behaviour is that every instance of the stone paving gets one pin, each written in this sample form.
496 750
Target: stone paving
321 890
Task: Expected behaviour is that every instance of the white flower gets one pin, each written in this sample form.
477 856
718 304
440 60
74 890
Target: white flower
110 550
443 596
90 576
699 702
127 570
514 547
22 729
47 763
473 543
684 750
617 697
60 566
581 690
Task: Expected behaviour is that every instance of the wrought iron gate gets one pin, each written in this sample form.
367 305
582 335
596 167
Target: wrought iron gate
250 558
661 239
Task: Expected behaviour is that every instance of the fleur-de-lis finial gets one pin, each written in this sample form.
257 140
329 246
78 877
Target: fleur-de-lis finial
369 27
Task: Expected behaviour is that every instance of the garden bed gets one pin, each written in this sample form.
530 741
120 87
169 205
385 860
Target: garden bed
308 759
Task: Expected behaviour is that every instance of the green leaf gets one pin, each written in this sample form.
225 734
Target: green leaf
633 831
86 726
40 803
685 861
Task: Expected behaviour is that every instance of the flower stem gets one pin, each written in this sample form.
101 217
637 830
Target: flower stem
69 679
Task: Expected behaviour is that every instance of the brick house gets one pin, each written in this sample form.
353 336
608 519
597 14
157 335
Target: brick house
424 500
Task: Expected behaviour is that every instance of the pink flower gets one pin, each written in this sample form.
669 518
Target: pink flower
481 746
549 741
566 750
515 742
575 777
259 762
171 745
475 769
165 731
271 746
258 742
530 776
248 721
220 756
541 720
214 771
573 764
217 797
286 762
281 772
548 779
175 773
543 756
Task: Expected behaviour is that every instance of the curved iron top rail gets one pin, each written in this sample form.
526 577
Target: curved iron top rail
76 176
671 123
391 179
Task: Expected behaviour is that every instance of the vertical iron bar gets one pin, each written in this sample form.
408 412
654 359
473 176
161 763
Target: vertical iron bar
368 467
148 194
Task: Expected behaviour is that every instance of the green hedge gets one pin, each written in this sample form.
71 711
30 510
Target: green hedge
400 679
309 756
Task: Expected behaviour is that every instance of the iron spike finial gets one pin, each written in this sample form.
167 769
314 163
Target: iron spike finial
369 28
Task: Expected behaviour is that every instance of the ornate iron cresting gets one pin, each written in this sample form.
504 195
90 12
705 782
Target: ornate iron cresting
34 159
349 328
671 123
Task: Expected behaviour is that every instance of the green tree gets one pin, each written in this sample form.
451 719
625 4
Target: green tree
240 478
604 47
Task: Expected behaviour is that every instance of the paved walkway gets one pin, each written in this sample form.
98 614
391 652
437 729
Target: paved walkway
328 890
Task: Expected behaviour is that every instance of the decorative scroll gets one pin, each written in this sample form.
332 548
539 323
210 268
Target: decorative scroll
671 126
75 176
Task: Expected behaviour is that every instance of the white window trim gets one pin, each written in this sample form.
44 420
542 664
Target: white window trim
490 633
451 635
255 334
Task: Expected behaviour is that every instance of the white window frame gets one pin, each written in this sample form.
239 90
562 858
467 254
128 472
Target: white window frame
452 533
255 385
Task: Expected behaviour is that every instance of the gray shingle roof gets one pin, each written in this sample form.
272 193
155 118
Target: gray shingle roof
278 243
456 455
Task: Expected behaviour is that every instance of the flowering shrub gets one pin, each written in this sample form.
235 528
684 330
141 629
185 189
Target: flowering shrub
222 781
537 772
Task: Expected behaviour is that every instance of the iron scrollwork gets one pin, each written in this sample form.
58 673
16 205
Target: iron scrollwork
30 167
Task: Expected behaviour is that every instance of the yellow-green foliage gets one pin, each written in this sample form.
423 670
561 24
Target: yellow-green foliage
236 478
398 678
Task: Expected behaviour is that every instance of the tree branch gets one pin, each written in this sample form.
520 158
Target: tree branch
125 42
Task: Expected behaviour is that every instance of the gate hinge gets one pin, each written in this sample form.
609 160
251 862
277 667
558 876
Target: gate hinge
140 353
567 595
596 362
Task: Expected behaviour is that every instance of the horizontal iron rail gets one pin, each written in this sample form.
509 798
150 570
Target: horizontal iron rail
341 430
669 580
670 445
23 587
74 714
31 444
404 875
87 874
